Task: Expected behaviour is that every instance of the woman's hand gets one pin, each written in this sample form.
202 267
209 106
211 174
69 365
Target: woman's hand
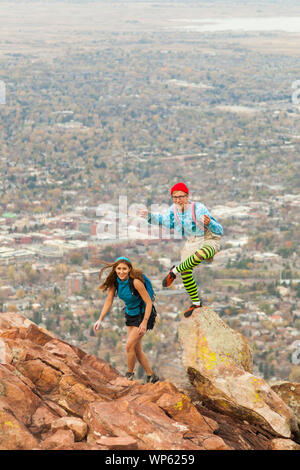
143 213
97 326
142 328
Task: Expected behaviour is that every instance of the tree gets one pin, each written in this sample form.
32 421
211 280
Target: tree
76 258
37 317
49 323
266 371
56 290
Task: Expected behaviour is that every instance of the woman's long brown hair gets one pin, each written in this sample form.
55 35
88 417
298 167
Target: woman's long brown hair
111 278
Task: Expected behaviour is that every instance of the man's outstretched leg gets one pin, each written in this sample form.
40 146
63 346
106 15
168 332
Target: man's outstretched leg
192 289
186 269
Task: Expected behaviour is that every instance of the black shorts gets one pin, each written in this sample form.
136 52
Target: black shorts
136 320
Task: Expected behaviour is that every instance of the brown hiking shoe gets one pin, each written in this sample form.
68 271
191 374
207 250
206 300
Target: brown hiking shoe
129 375
167 281
190 310
152 379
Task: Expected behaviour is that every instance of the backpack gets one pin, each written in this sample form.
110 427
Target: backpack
148 286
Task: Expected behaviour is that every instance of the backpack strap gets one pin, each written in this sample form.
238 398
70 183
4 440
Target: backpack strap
134 291
116 286
193 209
176 215
177 218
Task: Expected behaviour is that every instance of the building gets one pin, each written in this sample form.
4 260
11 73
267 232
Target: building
74 283
11 256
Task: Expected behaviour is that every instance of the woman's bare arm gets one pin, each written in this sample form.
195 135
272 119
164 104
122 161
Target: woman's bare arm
106 307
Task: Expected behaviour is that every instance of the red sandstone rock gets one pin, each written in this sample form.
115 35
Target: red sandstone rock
289 392
179 407
118 443
13 434
38 335
45 383
73 396
62 440
45 377
62 350
17 395
77 425
58 410
214 443
13 320
42 420
284 444
146 423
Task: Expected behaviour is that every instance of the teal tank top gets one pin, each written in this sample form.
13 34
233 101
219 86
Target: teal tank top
132 302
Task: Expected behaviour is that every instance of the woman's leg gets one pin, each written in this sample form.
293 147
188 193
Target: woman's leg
141 357
132 338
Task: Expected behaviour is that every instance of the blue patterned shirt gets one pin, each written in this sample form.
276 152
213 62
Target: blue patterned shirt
185 224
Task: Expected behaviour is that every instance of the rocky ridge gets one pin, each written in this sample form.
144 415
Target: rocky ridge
218 361
55 396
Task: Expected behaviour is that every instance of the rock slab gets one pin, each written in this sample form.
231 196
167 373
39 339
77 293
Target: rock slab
289 392
54 396
219 364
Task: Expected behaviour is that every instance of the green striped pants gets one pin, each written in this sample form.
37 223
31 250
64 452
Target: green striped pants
194 253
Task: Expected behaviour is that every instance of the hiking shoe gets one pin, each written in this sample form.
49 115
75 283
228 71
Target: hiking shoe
167 281
190 310
152 379
129 375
